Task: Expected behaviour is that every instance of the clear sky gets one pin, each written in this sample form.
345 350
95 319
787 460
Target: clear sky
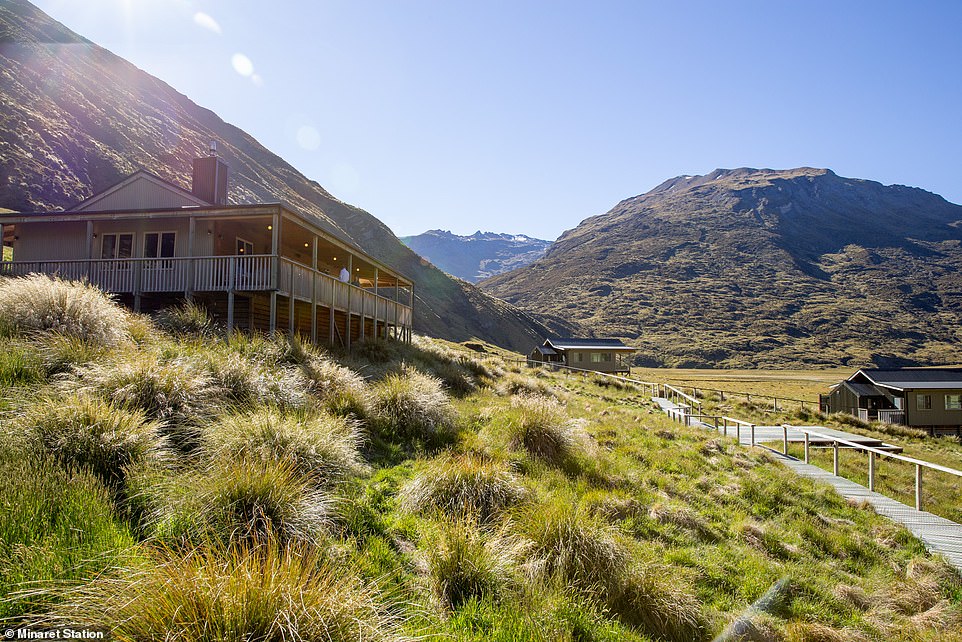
527 117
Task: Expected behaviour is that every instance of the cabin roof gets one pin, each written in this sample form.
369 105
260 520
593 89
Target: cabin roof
909 378
863 389
587 344
545 350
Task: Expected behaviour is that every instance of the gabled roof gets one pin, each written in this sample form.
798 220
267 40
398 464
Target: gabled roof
138 183
910 378
545 350
588 344
863 389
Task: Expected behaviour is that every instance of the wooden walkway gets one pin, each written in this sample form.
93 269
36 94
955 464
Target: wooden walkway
939 535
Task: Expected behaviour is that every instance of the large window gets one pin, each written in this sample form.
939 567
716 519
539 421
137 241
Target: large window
159 245
953 402
117 246
923 402
244 248
600 357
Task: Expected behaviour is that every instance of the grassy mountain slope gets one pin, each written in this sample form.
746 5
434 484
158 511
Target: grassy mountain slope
477 256
76 119
753 267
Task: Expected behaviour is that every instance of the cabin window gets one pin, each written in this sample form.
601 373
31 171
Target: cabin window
575 356
159 245
244 248
924 402
117 246
953 402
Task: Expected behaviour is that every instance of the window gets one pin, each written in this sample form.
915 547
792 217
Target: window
924 402
953 402
575 356
159 245
600 357
117 246
245 248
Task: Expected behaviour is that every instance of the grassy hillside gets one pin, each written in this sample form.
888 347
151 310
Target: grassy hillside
162 481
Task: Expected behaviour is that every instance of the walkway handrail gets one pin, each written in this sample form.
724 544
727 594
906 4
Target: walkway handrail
738 421
682 394
649 384
884 453
872 452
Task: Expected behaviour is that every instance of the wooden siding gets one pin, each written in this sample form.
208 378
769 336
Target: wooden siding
53 241
140 194
584 361
938 415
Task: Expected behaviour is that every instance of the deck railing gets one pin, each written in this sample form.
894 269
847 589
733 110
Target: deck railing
255 273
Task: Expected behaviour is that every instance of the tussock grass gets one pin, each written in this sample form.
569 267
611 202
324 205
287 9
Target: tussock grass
250 383
40 303
412 405
91 433
321 446
466 485
462 564
188 318
243 592
177 391
542 428
342 390
58 525
20 365
237 501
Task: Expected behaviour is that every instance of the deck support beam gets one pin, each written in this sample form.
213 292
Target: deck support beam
314 292
347 314
191 237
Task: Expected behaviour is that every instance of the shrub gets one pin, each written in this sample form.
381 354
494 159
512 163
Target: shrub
186 318
342 390
412 405
321 446
237 501
58 525
263 592
40 303
464 485
91 433
461 565
542 428
247 382
178 392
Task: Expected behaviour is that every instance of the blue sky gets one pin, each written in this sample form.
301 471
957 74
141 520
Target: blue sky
528 117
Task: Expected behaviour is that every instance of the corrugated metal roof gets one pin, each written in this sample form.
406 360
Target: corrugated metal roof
544 350
905 378
587 344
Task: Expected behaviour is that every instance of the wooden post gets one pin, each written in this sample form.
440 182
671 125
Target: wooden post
411 304
290 305
752 426
350 268
807 439
835 458
784 439
314 292
918 487
376 278
90 249
231 275
330 332
275 267
871 471
191 237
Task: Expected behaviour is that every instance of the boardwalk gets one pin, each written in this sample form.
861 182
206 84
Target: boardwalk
937 533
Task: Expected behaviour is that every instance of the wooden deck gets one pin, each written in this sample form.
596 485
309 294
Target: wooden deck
939 535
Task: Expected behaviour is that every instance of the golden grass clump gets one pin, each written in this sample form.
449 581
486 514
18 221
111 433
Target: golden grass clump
91 433
342 390
412 404
41 303
237 501
466 485
463 564
243 592
321 446
541 427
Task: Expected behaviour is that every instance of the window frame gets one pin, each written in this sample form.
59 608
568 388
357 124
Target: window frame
956 404
919 405
116 248
160 244
237 246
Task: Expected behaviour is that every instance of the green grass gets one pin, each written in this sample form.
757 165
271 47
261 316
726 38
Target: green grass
441 494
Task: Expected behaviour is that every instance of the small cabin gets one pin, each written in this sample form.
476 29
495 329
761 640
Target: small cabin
926 398
601 355
265 266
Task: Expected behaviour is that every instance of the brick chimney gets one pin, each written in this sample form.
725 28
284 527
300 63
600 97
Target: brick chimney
210 178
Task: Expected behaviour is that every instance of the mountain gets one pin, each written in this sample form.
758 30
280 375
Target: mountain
76 119
478 256
750 267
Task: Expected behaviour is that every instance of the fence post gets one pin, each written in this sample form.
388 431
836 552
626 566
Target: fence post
726 425
784 439
775 404
753 434
918 487
835 458
806 447
738 432
871 471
